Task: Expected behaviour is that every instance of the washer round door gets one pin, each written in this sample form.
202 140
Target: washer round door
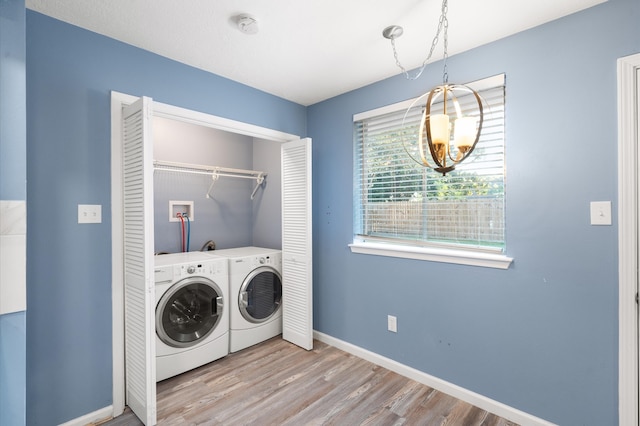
188 312
260 295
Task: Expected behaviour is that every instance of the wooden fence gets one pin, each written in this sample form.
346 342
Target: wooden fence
458 220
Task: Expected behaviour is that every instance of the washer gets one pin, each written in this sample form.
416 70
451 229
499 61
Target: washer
192 318
255 288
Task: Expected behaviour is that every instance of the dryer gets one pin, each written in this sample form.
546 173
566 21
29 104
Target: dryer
192 318
255 290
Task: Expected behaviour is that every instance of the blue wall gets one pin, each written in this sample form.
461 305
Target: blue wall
13 172
226 216
70 73
542 336
13 158
12 368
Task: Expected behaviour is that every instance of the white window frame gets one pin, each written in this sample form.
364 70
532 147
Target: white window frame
461 256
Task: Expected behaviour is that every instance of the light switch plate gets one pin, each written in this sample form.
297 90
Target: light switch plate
601 212
392 323
89 213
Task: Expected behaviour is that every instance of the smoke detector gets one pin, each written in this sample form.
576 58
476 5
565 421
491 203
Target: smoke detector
247 24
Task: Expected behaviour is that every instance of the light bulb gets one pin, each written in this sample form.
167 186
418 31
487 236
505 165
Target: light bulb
440 129
464 132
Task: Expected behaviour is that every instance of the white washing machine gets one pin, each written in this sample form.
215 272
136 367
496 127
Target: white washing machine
255 289
192 315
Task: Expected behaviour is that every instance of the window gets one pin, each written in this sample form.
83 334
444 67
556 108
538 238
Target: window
406 210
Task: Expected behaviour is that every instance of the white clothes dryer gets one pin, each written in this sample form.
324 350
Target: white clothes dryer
192 318
255 288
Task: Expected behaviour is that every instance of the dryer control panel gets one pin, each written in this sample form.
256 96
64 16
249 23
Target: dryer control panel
270 260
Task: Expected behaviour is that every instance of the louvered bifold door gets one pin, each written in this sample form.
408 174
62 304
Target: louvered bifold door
297 261
139 290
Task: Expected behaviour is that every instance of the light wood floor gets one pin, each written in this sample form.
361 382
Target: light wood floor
277 383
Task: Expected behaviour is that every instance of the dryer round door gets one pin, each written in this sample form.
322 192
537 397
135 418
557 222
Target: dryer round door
260 295
189 311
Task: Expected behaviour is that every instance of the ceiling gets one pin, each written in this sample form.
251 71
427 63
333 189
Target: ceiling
305 50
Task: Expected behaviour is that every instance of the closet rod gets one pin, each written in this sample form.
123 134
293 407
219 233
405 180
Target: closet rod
214 172
207 170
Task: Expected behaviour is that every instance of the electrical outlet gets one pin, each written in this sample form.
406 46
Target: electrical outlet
392 323
89 213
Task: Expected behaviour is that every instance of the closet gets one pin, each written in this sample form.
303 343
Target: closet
134 242
232 180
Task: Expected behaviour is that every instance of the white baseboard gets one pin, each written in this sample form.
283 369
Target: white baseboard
101 414
487 404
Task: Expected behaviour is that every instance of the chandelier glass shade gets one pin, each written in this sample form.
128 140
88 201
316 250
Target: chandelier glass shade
451 118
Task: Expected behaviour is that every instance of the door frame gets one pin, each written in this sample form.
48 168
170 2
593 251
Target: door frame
119 101
628 69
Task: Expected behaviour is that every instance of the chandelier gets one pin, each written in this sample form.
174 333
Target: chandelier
451 116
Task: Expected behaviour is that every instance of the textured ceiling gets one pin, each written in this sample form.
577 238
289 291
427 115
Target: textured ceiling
306 50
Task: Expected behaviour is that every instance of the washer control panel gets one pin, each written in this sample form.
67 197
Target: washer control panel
163 274
177 266
187 269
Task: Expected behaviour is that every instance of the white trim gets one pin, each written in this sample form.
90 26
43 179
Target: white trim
628 162
478 85
118 101
480 401
207 120
457 256
97 416
398 106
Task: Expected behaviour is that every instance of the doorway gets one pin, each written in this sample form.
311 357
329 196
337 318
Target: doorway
118 101
628 216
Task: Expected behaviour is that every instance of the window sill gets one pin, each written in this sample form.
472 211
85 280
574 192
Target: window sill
460 257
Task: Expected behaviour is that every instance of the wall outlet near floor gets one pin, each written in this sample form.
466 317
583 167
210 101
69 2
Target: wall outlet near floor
392 323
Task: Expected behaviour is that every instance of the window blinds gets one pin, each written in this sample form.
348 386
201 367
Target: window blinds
398 201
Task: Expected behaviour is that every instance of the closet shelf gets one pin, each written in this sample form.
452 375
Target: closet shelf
214 171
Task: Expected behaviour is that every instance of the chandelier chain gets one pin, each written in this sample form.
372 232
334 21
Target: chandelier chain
443 23
445 41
